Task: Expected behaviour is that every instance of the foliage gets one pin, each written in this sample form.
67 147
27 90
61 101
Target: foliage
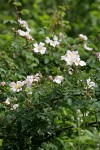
49 78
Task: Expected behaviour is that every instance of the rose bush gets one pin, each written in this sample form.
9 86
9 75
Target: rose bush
49 90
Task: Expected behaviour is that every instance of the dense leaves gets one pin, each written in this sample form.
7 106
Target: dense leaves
49 75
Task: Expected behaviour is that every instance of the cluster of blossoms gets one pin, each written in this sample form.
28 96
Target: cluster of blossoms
17 87
39 48
90 83
32 78
22 33
24 24
84 39
72 57
55 42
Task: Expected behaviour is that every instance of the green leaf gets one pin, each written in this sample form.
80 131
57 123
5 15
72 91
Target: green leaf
24 12
10 21
17 4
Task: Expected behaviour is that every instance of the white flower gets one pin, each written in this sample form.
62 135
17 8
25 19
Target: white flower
28 37
55 38
28 30
39 48
83 37
87 48
61 35
24 24
72 57
7 101
53 42
29 80
82 63
16 87
58 79
47 40
90 83
37 77
3 83
21 33
15 106
32 78
24 34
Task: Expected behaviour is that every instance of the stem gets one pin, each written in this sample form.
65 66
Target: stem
84 120
97 121
17 16
78 125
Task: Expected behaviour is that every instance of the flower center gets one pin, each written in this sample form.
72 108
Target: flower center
18 86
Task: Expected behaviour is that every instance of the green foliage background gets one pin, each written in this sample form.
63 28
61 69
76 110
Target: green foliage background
50 118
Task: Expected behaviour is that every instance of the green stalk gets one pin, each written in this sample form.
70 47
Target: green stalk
84 120
97 121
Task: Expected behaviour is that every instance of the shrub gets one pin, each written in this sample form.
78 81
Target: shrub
49 89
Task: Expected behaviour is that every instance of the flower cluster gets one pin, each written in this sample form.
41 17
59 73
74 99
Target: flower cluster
22 33
84 39
72 57
55 42
32 78
13 106
24 24
17 87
